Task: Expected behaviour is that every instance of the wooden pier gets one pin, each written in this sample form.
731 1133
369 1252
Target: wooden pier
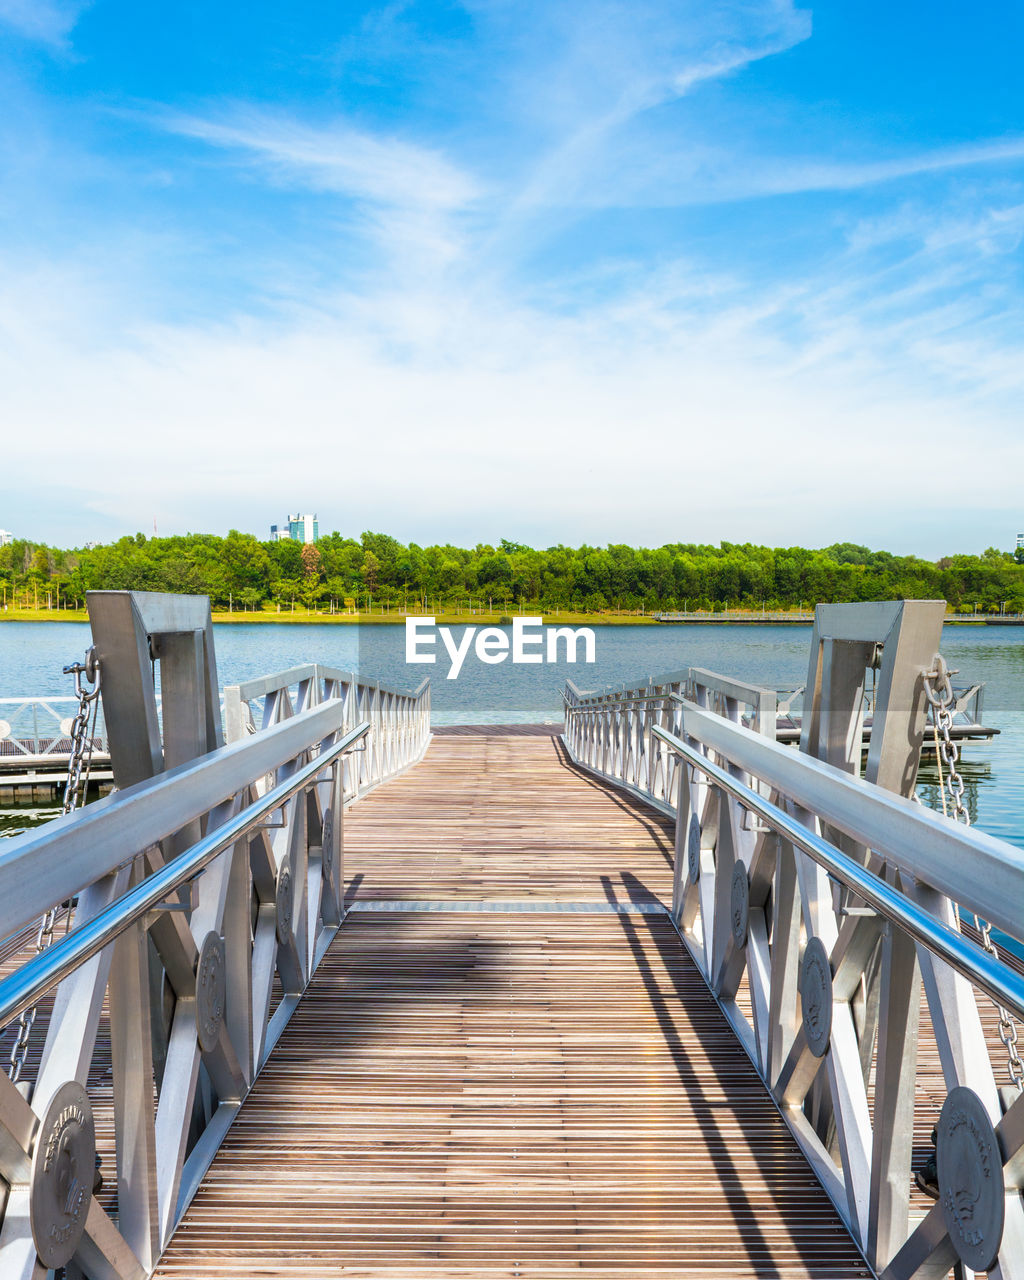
507 1064
649 994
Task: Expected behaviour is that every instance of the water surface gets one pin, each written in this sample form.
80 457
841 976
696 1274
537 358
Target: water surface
32 654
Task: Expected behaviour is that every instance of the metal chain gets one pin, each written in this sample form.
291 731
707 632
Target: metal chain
939 691
83 736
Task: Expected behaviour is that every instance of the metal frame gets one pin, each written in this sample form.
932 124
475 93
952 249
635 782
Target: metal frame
612 732
869 873
36 731
400 719
243 841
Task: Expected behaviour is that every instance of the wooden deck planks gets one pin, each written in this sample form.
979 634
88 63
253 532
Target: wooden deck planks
544 1005
491 1095
505 817
508 1093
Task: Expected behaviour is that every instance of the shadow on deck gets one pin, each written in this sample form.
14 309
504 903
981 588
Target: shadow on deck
536 1084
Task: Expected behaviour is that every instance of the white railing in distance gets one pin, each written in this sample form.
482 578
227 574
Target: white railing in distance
399 719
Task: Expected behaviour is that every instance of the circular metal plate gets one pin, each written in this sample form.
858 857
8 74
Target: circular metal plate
693 850
210 990
284 905
816 997
740 904
327 840
970 1179
63 1166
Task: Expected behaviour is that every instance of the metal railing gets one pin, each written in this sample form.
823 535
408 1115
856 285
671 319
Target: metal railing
818 907
37 730
611 731
399 719
40 975
220 879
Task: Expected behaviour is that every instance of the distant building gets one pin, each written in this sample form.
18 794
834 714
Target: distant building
6 537
303 528
1020 541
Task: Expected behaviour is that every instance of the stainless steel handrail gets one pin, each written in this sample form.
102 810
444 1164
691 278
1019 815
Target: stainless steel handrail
1003 984
260 686
605 702
41 974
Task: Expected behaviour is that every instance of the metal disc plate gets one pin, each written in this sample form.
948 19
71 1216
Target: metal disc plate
284 905
816 997
327 840
970 1179
63 1165
693 850
739 904
210 990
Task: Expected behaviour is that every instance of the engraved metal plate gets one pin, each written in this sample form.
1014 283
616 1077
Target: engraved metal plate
970 1179
284 905
816 997
63 1166
693 850
210 990
739 904
327 840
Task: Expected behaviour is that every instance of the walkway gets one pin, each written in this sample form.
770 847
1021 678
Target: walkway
507 1065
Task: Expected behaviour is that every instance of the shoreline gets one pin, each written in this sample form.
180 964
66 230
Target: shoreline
493 619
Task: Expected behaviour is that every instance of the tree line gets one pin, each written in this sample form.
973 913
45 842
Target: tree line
241 572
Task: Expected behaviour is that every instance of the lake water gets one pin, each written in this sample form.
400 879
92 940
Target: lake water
32 654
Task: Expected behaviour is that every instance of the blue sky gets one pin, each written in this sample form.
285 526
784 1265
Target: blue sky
568 272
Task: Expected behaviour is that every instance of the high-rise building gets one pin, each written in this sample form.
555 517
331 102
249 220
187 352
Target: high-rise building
1020 541
6 537
301 528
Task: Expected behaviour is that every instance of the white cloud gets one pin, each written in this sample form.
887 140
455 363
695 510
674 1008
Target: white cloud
786 176
408 198
334 157
679 410
48 21
592 89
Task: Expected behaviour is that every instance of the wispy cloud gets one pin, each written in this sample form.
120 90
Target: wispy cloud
406 197
699 173
609 73
726 60
48 21
420 388
333 157
786 176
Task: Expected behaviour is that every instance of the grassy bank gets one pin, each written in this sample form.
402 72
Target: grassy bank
307 617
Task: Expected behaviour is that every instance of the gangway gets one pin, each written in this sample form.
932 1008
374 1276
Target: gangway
652 995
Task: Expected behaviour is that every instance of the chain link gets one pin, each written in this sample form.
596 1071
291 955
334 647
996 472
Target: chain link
939 691
83 736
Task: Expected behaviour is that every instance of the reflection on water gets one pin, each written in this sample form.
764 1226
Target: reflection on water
16 818
933 788
993 775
